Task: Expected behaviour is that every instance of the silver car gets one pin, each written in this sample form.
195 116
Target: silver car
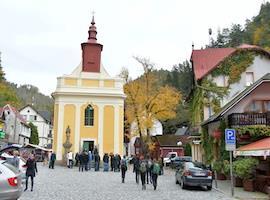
22 163
10 181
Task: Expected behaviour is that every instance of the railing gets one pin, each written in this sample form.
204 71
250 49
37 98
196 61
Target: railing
244 119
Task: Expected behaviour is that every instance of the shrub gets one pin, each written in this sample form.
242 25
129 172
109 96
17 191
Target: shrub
244 168
218 166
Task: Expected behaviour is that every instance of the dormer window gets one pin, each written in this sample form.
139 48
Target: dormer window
89 116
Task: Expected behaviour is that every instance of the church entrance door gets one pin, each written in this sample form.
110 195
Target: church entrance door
88 145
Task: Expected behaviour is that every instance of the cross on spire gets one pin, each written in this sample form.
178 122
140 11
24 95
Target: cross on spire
93 17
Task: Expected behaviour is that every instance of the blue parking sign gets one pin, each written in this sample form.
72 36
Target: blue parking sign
230 139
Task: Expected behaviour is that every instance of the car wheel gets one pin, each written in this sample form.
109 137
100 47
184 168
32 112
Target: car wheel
209 187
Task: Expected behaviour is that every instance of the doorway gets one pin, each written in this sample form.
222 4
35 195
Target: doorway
88 145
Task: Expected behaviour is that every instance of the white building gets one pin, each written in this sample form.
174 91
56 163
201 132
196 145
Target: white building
16 128
42 120
157 129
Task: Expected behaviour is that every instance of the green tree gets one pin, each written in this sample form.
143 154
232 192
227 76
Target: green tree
34 139
256 31
187 150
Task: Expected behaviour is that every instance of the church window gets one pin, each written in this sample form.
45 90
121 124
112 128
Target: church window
89 116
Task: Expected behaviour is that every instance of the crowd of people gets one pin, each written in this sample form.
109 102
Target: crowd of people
146 169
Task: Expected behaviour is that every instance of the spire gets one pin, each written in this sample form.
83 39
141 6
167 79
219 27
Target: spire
92 32
91 50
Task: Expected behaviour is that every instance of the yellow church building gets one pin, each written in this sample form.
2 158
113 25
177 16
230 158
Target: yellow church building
91 103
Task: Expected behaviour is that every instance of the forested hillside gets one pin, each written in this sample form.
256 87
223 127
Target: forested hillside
29 94
256 31
19 96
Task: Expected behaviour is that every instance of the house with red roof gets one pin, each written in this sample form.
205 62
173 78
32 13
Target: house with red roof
233 86
15 127
207 62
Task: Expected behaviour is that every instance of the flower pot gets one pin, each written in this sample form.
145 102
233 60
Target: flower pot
221 176
238 182
244 138
248 185
217 134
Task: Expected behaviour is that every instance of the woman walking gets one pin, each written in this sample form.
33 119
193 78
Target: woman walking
123 168
143 169
155 173
31 170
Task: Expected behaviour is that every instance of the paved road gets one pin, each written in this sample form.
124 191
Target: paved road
68 184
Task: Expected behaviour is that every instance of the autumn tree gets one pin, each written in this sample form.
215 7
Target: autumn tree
147 101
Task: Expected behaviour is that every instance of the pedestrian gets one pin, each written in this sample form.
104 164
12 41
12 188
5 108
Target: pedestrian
155 173
117 163
149 171
90 158
115 160
105 162
15 160
85 160
70 159
123 168
136 168
31 170
76 159
81 163
97 161
143 169
52 160
112 161
161 163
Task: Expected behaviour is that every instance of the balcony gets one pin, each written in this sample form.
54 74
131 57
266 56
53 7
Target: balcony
245 119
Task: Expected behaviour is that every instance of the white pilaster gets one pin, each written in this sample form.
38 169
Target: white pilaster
77 128
60 131
100 128
116 129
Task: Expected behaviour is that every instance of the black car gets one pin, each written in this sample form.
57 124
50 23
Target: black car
193 174
177 161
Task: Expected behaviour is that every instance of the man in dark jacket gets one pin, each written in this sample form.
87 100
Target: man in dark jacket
97 161
76 159
136 164
105 162
52 160
112 161
85 160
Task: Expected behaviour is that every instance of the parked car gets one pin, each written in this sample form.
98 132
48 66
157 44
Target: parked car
10 181
11 147
177 161
193 174
168 157
22 167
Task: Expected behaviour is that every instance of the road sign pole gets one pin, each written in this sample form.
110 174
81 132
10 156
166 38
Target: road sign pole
231 171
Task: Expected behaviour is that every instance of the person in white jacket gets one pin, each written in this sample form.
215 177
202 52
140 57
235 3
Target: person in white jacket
70 159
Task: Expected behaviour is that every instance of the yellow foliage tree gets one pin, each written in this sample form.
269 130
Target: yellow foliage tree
146 101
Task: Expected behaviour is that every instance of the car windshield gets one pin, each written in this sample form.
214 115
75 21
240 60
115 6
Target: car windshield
11 167
195 165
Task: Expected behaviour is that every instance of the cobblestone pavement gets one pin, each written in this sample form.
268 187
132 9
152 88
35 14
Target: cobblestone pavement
63 183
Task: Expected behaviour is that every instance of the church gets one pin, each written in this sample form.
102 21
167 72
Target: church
89 103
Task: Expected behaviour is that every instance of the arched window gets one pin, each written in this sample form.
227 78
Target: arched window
89 116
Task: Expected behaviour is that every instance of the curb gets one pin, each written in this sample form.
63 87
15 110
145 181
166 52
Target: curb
236 197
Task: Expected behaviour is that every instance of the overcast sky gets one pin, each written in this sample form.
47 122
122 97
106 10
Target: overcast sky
40 39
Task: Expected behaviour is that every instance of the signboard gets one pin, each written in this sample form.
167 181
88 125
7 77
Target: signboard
230 139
